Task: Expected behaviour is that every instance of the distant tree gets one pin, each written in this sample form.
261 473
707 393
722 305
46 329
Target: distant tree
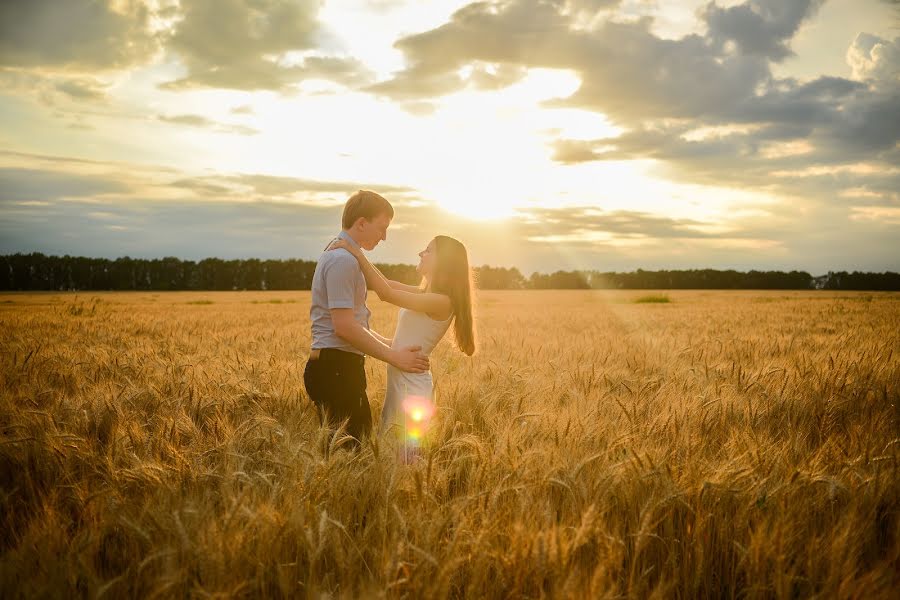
499 278
560 280
249 275
37 271
403 273
842 280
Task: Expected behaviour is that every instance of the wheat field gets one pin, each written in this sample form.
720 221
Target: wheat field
599 445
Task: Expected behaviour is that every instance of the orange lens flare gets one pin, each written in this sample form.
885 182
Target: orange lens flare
418 411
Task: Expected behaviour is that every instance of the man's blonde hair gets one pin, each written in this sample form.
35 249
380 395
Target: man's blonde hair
366 204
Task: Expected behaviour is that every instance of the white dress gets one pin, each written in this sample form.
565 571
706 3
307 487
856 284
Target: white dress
415 390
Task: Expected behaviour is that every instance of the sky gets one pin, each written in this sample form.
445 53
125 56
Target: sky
544 134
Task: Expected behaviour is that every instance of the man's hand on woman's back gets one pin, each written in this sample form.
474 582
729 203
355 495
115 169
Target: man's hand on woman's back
410 359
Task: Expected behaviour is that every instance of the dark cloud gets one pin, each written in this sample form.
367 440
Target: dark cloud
154 228
819 125
95 208
205 188
35 185
590 5
766 159
50 209
236 44
77 34
244 44
504 34
627 72
413 83
658 89
783 234
622 223
759 27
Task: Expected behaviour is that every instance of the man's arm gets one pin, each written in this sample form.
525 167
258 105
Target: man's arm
386 341
347 328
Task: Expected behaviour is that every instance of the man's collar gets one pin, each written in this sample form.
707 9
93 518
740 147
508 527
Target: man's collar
346 236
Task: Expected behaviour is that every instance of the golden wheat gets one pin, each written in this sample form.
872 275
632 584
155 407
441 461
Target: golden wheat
722 444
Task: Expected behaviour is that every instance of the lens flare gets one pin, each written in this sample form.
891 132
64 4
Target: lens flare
418 411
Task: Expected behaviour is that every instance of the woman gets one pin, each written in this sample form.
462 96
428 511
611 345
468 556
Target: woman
426 313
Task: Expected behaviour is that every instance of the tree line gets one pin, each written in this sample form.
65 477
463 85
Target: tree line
37 271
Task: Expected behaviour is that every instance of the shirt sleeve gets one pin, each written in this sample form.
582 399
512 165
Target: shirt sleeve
340 281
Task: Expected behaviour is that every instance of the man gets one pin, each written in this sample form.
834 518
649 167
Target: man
335 377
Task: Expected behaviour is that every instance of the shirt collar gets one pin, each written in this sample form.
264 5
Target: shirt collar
346 236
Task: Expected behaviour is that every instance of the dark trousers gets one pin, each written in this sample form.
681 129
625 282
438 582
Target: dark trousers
336 384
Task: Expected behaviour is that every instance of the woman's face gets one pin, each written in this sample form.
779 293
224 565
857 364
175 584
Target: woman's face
427 261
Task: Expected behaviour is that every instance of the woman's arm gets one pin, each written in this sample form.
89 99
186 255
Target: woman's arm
426 302
412 289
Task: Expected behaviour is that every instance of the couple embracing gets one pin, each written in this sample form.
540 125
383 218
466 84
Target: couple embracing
335 376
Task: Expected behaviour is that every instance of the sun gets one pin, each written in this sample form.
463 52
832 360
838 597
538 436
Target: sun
485 185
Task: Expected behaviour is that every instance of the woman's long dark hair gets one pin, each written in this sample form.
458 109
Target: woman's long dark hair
453 277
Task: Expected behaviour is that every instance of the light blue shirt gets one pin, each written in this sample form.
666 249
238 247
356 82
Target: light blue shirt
337 283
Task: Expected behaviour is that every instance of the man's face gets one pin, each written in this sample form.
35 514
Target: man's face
374 231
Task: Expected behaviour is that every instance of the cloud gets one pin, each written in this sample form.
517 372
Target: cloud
627 72
252 45
574 220
206 123
54 90
30 177
256 186
873 58
781 161
759 27
96 208
277 186
660 91
36 185
93 208
657 88
493 33
156 228
76 34
233 44
416 83
82 89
